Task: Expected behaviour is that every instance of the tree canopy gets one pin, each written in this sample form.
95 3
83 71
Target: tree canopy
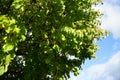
47 39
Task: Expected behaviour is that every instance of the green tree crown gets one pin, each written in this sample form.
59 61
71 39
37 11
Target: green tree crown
47 39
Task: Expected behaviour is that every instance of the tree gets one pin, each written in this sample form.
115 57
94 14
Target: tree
47 39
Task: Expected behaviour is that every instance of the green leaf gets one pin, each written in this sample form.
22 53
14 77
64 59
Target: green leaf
8 29
76 73
3 19
47 60
8 47
16 29
44 34
23 37
63 37
56 47
2 70
6 62
60 78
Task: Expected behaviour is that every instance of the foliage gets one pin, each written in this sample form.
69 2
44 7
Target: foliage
47 39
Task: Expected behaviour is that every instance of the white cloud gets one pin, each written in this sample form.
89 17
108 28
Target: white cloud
74 78
113 1
107 71
111 19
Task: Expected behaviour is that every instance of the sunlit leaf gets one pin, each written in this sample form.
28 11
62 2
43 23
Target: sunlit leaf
8 47
2 70
47 39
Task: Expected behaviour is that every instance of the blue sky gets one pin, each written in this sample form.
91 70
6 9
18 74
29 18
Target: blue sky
107 64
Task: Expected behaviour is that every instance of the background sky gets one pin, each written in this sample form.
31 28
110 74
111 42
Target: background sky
107 64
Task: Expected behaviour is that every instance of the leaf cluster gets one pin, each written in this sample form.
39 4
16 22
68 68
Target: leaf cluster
38 38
